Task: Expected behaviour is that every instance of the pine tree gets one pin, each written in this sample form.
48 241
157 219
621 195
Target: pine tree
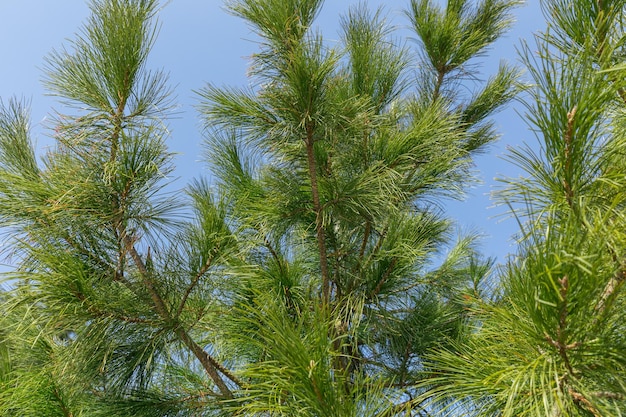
313 271
553 344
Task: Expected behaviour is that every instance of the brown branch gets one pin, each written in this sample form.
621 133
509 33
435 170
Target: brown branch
366 237
193 284
117 115
92 309
622 94
560 343
209 363
379 244
584 403
317 208
384 278
274 254
615 282
158 302
406 407
441 73
405 362
609 395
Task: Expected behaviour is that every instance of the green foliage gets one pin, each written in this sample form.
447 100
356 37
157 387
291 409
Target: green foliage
553 343
453 36
316 271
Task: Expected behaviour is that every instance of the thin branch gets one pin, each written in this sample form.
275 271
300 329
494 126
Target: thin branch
317 391
366 237
384 278
210 365
193 284
615 282
582 402
609 395
406 407
101 313
405 362
274 254
568 139
317 208
200 396
379 244
117 115
66 411
560 343
160 305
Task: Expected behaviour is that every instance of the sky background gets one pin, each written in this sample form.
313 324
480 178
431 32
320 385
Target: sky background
199 43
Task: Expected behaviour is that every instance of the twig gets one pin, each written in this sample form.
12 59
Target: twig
568 139
384 278
615 282
193 284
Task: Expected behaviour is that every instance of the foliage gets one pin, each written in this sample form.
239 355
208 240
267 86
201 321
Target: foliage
553 344
310 276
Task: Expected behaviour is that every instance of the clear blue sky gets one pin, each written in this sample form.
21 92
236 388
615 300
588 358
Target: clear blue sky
199 43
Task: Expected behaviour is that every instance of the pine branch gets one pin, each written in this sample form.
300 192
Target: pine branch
316 389
441 73
582 402
366 237
274 254
193 284
379 243
609 395
208 363
128 246
384 278
117 118
64 408
317 208
561 339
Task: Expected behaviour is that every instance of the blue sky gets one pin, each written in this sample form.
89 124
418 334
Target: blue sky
199 43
